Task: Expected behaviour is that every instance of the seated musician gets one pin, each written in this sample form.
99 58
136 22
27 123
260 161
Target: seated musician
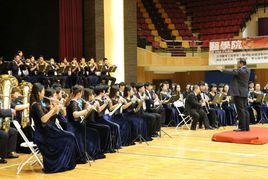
53 72
42 71
103 130
88 138
211 112
259 106
63 72
177 92
131 109
153 104
194 108
17 67
219 111
122 86
53 67
251 86
133 87
171 117
20 54
59 148
33 70
8 140
51 98
251 110
105 74
187 91
75 70
227 105
118 118
103 101
93 78
83 73
18 105
152 119
26 69
61 96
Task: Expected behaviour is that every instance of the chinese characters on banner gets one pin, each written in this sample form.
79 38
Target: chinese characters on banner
226 52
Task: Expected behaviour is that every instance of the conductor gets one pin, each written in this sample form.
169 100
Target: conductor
239 92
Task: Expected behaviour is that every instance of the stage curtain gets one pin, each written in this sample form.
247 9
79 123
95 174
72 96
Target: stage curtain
70 29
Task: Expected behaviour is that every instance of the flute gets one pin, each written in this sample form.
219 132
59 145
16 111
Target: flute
89 104
55 100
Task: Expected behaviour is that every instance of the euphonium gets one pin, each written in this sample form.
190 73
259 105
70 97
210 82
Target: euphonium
26 89
7 82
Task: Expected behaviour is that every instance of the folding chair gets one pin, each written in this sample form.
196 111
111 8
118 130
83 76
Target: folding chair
185 119
35 152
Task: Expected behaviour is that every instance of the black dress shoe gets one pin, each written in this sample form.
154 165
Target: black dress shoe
240 130
100 156
112 151
209 128
11 156
82 160
3 161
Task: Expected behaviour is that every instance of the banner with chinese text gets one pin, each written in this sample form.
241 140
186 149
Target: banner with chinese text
226 52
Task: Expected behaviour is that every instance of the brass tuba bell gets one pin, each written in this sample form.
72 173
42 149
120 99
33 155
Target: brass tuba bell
26 88
7 82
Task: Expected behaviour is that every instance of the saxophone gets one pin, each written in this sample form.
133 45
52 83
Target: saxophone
25 88
7 82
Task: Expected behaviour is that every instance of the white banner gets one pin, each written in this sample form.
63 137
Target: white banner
226 52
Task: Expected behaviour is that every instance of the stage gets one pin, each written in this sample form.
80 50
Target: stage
188 154
256 135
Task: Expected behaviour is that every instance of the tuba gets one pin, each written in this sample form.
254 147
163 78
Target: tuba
25 89
7 82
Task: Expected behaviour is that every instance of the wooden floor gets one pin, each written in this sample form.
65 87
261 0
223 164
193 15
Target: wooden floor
188 154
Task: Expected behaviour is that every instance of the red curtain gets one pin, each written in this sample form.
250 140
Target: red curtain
70 28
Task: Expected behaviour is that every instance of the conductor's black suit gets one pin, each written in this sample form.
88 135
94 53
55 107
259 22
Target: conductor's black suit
239 91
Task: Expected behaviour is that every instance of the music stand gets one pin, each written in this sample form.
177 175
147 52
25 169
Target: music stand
171 100
260 98
139 137
84 122
112 68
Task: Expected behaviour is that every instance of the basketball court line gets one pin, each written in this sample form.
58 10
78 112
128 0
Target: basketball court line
9 166
208 151
197 160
